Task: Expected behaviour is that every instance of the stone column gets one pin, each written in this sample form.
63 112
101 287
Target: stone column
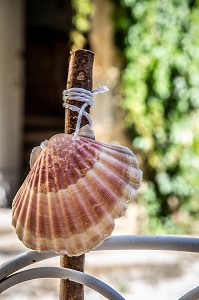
107 112
11 95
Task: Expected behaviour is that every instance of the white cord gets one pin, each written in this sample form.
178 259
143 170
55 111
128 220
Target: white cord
82 95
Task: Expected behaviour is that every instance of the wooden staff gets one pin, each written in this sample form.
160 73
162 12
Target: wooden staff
79 75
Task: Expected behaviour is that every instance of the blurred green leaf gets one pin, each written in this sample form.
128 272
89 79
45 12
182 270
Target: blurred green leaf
159 43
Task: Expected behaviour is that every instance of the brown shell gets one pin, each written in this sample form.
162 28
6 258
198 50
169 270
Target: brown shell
73 193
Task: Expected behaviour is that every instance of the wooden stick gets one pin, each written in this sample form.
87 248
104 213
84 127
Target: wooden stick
79 75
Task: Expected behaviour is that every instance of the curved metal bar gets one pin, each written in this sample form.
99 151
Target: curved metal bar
57 272
123 242
23 260
150 242
191 295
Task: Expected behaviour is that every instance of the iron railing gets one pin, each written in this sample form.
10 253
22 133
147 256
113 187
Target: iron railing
10 274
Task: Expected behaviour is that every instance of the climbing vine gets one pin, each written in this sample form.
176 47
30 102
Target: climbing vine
159 44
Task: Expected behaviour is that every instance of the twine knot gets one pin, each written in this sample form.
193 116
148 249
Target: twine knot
85 96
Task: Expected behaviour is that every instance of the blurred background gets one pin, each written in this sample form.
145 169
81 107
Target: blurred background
147 53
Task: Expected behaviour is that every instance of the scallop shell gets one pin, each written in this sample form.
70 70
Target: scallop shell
73 193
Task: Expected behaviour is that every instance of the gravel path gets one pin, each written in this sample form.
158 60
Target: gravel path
135 274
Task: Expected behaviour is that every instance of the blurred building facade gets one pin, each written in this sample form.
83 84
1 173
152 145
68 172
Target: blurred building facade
34 52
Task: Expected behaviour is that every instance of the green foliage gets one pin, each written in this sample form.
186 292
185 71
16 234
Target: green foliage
83 11
159 42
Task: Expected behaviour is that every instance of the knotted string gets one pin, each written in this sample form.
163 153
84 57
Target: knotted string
82 95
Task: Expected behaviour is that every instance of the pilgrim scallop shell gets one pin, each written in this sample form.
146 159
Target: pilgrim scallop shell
73 193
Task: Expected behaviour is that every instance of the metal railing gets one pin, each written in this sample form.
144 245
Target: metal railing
9 275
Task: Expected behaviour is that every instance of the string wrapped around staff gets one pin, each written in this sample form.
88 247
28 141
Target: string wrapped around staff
85 96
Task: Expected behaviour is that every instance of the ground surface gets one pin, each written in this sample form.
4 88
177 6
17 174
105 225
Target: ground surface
136 274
